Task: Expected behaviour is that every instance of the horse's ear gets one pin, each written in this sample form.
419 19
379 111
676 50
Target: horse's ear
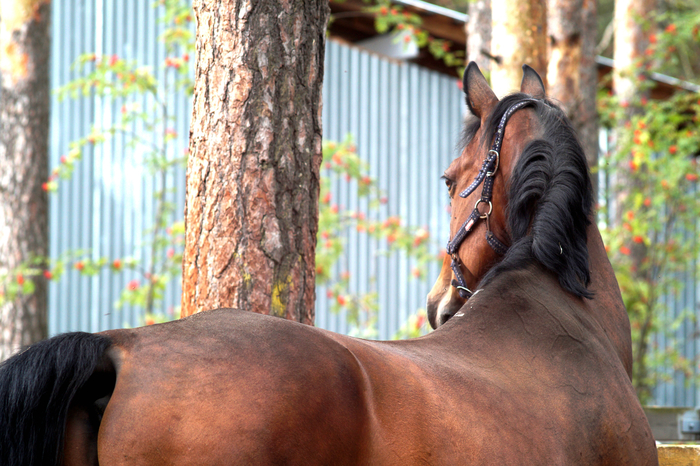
480 97
532 83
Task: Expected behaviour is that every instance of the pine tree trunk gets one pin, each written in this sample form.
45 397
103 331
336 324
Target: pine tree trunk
479 35
519 36
631 41
251 211
572 74
24 125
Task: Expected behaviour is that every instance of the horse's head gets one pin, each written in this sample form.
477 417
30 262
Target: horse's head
495 193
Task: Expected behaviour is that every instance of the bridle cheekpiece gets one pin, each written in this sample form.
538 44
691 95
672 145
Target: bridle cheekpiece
486 175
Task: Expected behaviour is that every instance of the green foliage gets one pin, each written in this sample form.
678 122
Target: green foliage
654 244
678 47
340 160
390 18
415 326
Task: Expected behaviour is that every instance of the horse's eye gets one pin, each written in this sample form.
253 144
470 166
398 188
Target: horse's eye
449 183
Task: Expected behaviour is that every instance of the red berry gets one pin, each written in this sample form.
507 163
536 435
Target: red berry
420 321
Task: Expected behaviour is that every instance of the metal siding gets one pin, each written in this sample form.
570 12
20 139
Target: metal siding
401 116
105 206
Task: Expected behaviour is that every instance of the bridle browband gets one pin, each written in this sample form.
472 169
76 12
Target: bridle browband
486 175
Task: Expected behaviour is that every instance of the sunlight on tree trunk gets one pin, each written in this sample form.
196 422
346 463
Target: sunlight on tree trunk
479 35
24 123
251 211
519 32
572 73
631 41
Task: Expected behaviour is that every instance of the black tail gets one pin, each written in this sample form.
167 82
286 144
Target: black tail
37 386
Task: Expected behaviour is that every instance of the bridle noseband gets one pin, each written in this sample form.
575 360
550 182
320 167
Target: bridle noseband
486 174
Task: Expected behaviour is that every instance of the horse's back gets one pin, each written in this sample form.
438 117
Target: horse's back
230 387
433 407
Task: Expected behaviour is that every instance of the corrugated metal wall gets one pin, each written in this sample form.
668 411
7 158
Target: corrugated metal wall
405 121
106 205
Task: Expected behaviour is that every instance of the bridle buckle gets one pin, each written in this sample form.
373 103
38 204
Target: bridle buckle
498 161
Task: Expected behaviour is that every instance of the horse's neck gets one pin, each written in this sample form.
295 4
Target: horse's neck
607 306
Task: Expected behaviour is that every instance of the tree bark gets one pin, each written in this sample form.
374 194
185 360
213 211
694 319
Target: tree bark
572 74
251 211
631 41
479 35
519 36
24 123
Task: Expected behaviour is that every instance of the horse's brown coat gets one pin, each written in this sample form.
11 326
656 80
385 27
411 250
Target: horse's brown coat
524 373
525 376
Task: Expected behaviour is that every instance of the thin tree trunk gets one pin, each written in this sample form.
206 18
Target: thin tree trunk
631 41
479 35
571 74
519 36
251 211
24 123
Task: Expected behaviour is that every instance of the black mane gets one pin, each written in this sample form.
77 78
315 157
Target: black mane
550 199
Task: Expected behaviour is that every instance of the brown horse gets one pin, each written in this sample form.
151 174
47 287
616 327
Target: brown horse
531 370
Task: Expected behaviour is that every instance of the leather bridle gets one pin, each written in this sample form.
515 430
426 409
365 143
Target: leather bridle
486 175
